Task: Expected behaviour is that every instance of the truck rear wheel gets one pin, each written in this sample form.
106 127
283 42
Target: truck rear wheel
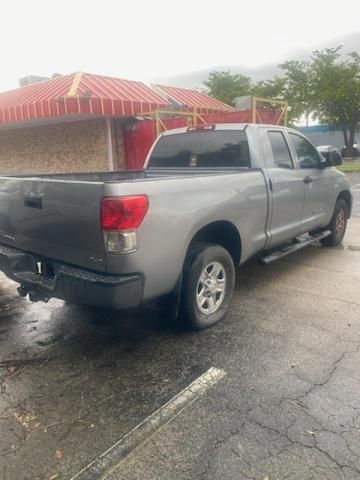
337 225
208 285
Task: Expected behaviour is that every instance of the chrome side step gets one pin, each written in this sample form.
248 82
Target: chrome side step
302 242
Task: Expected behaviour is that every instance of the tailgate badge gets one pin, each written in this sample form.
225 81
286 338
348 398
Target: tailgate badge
193 160
96 259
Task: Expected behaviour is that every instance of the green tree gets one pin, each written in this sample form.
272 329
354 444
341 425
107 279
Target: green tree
225 86
298 88
328 86
336 91
274 88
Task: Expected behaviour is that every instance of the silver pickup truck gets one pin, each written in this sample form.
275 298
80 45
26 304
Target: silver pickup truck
210 197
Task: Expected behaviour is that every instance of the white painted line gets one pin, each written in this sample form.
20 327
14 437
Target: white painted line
113 456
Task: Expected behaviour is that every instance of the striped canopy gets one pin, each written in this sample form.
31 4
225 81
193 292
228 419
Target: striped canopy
186 99
81 94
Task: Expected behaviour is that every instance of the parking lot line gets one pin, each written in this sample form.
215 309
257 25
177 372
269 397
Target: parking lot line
117 452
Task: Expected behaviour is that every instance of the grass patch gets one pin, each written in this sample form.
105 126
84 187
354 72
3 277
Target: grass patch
349 167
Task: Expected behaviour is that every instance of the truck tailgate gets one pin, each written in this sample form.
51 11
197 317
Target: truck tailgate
53 218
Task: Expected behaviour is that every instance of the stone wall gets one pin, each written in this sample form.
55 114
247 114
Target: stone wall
78 146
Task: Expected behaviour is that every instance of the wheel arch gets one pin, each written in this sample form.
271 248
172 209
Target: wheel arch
346 196
221 232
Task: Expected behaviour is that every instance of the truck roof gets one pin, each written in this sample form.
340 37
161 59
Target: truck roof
221 126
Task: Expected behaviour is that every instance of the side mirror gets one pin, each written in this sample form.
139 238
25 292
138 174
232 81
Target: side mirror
335 159
330 159
323 160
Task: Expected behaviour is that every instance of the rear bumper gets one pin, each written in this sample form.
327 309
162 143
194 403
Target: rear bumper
69 283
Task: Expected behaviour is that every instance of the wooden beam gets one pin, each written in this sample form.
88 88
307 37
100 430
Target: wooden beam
109 144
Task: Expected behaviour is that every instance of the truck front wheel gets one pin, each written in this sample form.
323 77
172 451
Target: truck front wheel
337 224
208 285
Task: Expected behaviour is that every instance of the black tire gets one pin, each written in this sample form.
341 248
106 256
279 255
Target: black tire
337 225
200 256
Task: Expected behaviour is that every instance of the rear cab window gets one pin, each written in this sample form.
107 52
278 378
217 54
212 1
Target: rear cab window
202 149
280 150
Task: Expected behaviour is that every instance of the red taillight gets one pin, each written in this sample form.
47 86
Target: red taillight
123 213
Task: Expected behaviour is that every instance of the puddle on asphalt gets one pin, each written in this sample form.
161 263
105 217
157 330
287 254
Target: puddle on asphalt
353 248
74 380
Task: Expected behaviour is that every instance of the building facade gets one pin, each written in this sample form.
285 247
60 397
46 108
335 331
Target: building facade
325 135
73 123
72 146
86 123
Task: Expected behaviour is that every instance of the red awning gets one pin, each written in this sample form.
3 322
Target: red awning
81 94
192 99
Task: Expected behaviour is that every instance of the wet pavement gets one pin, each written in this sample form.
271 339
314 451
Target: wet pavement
75 380
354 179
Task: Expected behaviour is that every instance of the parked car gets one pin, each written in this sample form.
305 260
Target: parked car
331 154
355 151
210 197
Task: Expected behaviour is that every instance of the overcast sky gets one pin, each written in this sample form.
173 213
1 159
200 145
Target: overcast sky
142 40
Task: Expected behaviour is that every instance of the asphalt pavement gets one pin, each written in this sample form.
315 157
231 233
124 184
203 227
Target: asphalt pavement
285 404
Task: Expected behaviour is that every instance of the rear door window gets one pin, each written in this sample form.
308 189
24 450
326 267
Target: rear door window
206 149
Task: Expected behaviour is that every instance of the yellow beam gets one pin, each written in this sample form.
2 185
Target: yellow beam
281 116
201 118
168 112
157 118
253 109
286 114
194 116
162 124
75 85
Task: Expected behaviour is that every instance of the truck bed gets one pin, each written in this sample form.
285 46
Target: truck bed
124 175
57 216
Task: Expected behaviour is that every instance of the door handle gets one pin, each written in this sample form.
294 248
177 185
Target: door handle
308 180
33 201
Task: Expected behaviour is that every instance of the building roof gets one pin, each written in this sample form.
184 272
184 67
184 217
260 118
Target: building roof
81 94
189 99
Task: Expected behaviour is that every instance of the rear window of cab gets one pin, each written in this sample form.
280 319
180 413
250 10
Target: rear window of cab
202 149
